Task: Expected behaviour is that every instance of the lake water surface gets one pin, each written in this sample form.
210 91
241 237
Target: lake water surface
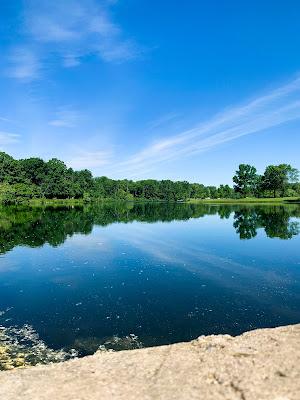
124 276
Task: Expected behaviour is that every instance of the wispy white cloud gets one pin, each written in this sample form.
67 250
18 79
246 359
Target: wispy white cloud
5 119
70 60
90 159
276 107
7 138
163 120
24 64
65 119
117 52
68 31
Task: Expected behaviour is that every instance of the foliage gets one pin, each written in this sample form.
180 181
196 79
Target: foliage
18 193
245 180
277 178
34 178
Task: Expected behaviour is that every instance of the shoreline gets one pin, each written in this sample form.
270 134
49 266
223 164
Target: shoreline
259 364
262 201
82 202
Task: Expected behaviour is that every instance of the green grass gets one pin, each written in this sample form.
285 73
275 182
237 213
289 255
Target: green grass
70 202
56 202
81 202
271 200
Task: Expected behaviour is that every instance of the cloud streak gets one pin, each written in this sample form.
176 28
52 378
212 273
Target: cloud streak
90 159
65 119
3 119
7 138
64 33
270 110
24 64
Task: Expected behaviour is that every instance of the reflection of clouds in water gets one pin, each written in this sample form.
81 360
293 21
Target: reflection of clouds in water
78 251
162 247
94 241
9 265
227 273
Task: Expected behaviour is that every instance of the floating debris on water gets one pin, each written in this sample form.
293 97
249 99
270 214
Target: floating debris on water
21 347
116 343
90 345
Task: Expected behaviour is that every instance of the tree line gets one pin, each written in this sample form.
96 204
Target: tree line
31 178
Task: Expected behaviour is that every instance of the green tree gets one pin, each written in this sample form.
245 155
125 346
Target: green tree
82 182
278 177
213 192
10 169
57 182
18 193
32 177
34 170
225 192
245 180
199 191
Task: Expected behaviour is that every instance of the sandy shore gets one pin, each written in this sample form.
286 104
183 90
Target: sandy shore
258 365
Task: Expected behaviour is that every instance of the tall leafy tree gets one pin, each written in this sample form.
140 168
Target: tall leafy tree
82 182
277 178
34 170
213 192
10 169
245 180
225 192
57 182
198 191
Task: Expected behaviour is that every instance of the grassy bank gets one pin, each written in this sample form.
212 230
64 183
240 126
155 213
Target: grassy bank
80 202
56 202
252 200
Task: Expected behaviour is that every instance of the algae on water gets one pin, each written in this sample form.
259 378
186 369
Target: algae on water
21 347
90 345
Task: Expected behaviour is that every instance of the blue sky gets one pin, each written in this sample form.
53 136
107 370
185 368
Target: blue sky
151 89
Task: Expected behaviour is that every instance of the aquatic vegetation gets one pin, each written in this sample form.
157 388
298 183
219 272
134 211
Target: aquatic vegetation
117 343
90 345
21 347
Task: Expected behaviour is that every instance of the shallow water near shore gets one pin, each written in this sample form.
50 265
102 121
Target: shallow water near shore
123 276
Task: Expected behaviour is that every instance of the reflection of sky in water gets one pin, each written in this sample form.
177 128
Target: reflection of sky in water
163 282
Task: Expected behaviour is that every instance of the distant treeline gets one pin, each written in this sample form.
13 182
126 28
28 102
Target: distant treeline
34 178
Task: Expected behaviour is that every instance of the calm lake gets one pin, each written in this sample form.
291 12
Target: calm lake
132 275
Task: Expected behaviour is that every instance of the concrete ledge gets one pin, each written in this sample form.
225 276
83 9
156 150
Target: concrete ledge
258 365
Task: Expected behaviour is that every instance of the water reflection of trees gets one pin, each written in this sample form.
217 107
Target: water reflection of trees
36 226
276 221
